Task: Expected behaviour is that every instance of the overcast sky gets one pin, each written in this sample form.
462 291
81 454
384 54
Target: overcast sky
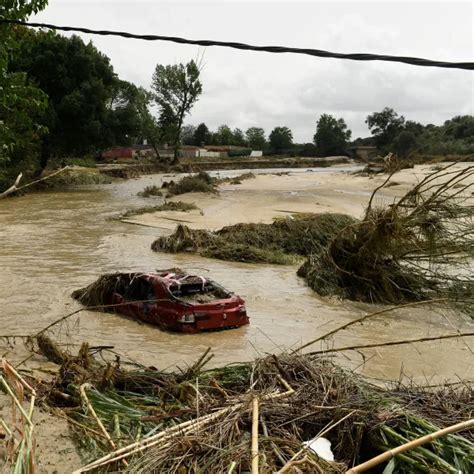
245 89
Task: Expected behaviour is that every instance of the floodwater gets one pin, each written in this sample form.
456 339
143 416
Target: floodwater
55 242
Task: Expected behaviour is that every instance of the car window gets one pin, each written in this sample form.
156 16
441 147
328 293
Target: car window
140 290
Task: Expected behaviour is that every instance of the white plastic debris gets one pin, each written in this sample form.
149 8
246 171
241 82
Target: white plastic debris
322 447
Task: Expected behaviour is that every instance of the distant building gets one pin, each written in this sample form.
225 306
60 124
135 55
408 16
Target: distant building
123 153
128 153
363 152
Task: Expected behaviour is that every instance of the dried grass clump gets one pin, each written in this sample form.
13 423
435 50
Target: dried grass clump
150 191
167 206
281 242
100 292
198 183
198 420
237 179
420 247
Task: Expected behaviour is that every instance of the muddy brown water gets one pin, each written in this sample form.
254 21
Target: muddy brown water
55 242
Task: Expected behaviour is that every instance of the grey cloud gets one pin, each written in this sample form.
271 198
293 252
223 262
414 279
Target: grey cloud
246 89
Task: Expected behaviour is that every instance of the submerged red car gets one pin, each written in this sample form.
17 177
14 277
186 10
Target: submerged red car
171 300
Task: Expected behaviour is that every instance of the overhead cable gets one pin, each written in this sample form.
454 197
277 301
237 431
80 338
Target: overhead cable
248 47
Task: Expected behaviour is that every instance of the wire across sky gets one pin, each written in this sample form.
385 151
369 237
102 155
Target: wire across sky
248 47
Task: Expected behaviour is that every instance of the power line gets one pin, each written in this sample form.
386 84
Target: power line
247 47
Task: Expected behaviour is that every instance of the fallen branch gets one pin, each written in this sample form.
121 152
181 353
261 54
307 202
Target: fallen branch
15 188
12 188
254 448
364 318
464 425
392 343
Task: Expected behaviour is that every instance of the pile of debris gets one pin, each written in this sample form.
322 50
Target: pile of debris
283 242
420 247
273 414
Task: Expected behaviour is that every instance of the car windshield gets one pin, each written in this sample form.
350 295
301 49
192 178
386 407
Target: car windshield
198 289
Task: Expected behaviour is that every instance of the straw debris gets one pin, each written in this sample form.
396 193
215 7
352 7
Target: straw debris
150 191
167 206
198 420
282 242
198 183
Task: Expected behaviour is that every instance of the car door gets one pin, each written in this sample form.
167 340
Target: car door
140 295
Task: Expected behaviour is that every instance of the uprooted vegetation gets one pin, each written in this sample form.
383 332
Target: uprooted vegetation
197 183
150 191
167 206
201 183
237 179
420 247
197 420
284 241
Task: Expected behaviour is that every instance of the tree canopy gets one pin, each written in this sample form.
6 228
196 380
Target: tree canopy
332 136
86 102
385 126
256 138
281 138
21 103
202 135
176 89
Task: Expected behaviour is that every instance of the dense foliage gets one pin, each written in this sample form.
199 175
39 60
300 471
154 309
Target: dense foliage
391 132
332 136
20 102
281 138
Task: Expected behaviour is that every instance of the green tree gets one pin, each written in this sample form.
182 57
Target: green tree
238 137
187 135
281 139
149 128
123 121
404 143
202 135
177 87
256 138
80 84
21 103
460 127
385 126
332 135
223 136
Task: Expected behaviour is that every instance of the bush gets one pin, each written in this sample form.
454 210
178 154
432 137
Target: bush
150 191
240 152
198 183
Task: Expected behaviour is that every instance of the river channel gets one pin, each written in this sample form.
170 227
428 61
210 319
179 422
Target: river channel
55 242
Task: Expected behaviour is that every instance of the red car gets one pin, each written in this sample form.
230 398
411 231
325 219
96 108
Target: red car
170 300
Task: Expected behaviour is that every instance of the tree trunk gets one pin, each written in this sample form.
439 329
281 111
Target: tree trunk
44 157
178 131
153 144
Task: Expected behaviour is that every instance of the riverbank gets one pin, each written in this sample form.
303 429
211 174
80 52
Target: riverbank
133 170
